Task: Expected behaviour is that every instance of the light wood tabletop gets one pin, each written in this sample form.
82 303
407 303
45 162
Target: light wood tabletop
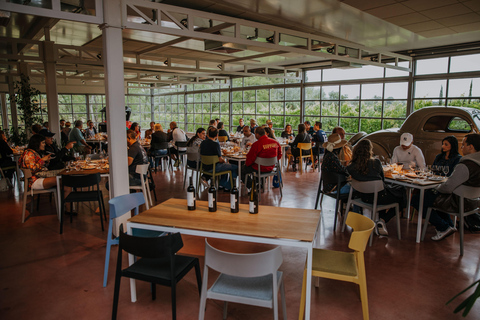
270 222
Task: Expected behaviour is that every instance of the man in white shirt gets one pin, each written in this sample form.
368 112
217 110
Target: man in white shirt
407 152
176 134
248 138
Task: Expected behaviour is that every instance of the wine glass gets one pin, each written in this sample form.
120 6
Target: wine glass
445 170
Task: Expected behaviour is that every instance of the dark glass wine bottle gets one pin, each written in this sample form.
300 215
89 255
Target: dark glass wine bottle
191 204
253 203
212 197
234 198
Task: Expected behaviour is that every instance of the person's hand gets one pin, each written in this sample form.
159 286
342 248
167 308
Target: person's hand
47 157
69 145
248 144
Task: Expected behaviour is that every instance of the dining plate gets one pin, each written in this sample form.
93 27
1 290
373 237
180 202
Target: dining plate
436 178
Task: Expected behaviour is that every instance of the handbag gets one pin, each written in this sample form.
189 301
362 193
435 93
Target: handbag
448 202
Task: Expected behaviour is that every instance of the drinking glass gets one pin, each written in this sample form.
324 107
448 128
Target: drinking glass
445 170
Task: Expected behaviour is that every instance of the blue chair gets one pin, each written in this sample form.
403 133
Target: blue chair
118 207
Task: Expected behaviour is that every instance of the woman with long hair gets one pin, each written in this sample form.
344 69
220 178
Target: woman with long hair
288 133
364 167
331 162
449 155
302 137
135 127
32 159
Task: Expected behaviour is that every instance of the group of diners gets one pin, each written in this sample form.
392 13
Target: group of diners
363 166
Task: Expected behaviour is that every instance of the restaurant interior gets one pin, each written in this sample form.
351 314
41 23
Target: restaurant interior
363 65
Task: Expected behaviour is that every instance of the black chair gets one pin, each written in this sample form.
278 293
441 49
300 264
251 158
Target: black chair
151 182
159 264
332 178
182 153
78 182
161 146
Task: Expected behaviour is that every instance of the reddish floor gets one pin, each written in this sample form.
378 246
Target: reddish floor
46 275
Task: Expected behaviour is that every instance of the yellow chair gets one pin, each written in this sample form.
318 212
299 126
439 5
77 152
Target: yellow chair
222 138
212 160
304 146
344 266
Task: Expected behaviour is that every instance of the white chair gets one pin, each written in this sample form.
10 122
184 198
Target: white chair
268 162
251 279
142 170
463 192
370 187
26 190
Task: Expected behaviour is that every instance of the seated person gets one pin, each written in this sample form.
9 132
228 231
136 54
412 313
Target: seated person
6 156
270 126
136 128
319 137
264 147
407 152
449 155
58 156
193 147
240 126
158 136
32 160
136 155
288 133
364 167
176 134
91 131
248 138
77 137
148 133
211 147
221 131
308 128
331 162
302 137
253 125
269 132
346 152
66 132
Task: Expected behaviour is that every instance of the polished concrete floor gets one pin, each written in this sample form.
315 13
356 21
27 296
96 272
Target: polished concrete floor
45 275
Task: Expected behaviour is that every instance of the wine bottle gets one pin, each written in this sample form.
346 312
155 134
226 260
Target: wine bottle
253 203
234 198
191 204
212 197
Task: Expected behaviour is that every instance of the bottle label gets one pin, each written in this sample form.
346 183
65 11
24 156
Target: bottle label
252 206
210 200
190 199
233 201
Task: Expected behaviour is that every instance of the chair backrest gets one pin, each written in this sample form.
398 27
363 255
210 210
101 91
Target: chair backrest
181 144
305 146
243 265
193 154
81 181
362 228
142 169
27 174
125 203
373 186
266 162
209 160
467 192
95 156
222 138
332 178
160 145
151 247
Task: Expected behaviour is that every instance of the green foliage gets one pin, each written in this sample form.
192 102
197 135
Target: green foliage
468 303
26 99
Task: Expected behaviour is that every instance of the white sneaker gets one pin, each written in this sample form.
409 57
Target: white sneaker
381 228
204 182
443 234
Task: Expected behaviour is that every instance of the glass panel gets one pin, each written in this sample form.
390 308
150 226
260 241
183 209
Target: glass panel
371 109
330 92
263 107
396 90
312 108
329 108
395 109
397 73
249 95
249 107
263 95
349 108
388 124
350 91
277 94
466 63
370 125
430 88
277 108
464 87
459 125
292 94
365 72
313 75
329 123
432 66
293 121
312 93
372 91
349 124
292 108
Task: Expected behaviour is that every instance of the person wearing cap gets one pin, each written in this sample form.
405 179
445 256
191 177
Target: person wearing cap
364 167
407 152
331 161
58 156
345 154
270 125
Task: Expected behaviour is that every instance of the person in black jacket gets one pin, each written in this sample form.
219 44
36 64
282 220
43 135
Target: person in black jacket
6 156
221 131
158 136
58 156
302 137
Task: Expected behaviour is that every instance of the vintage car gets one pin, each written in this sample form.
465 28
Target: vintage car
429 126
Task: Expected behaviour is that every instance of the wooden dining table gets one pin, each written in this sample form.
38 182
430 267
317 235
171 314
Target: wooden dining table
272 225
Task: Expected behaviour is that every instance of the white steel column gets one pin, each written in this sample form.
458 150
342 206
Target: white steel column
115 97
51 89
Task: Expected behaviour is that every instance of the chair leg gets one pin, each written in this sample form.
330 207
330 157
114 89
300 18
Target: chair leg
174 300
425 225
116 294
199 277
303 298
461 226
102 213
397 213
225 307
153 288
24 205
318 194
284 303
336 212
363 294
107 262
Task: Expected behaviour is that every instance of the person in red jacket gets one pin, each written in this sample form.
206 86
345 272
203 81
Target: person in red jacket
264 147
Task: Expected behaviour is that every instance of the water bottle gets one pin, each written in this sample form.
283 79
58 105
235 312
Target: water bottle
191 196
212 197
234 198
253 203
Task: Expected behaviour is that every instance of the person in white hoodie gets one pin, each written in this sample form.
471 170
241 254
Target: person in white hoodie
467 172
407 152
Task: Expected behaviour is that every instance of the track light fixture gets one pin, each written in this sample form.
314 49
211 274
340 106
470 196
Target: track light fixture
271 39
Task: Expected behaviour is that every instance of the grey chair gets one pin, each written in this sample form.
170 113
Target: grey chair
26 190
462 192
268 162
370 187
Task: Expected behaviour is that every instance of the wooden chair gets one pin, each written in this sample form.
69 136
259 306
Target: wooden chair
304 146
344 266
27 174
222 138
462 192
252 279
